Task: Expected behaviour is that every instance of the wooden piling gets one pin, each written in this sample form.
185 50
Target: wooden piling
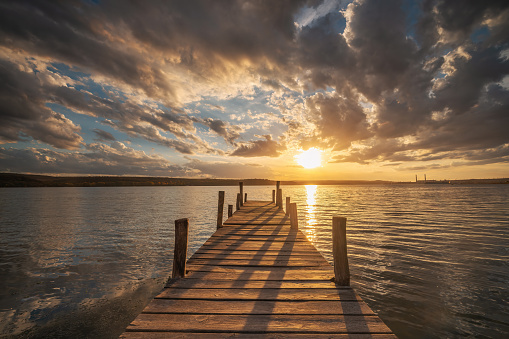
278 184
245 197
238 202
230 210
220 208
294 222
287 206
241 186
273 196
279 198
341 269
180 252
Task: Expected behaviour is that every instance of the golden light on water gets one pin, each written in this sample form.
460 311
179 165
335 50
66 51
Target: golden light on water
311 158
311 219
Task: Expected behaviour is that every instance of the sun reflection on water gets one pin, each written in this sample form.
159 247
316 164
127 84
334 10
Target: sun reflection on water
311 219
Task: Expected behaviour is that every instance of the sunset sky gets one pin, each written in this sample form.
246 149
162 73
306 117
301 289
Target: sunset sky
239 89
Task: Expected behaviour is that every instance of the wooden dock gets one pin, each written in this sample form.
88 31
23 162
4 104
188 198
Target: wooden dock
256 277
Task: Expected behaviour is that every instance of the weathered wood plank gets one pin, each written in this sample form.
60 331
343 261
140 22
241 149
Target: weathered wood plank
259 294
258 323
258 307
263 275
231 255
207 283
246 254
256 262
183 335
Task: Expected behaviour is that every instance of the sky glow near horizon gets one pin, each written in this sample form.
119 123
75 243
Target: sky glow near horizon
238 89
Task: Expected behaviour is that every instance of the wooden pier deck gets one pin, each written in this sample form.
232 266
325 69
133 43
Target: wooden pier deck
256 277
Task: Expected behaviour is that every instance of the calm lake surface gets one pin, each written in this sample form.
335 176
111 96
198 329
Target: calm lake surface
431 260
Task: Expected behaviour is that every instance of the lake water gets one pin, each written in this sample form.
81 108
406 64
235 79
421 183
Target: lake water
431 260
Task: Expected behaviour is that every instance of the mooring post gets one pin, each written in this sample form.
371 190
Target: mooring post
220 208
287 206
278 184
294 222
273 196
241 185
279 198
341 269
245 197
230 211
237 207
180 251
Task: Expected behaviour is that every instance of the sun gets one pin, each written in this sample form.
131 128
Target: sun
311 158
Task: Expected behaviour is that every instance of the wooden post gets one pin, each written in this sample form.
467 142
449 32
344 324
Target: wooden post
294 222
220 208
238 202
279 198
341 269
273 196
230 211
287 206
245 197
278 183
180 252
241 185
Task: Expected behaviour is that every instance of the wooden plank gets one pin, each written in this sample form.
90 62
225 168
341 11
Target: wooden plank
254 323
259 294
262 275
256 262
219 283
219 335
258 307
231 255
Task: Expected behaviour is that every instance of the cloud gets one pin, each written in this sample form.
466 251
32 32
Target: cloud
103 135
223 169
259 148
23 111
339 121
99 159
373 81
229 132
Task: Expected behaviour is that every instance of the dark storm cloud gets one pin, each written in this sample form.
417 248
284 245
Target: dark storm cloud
259 148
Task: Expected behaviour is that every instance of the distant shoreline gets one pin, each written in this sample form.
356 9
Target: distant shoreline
30 180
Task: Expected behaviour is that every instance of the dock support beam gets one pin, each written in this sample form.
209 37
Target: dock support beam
220 208
279 198
230 211
180 252
237 207
241 186
245 197
287 213
273 196
294 221
341 269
